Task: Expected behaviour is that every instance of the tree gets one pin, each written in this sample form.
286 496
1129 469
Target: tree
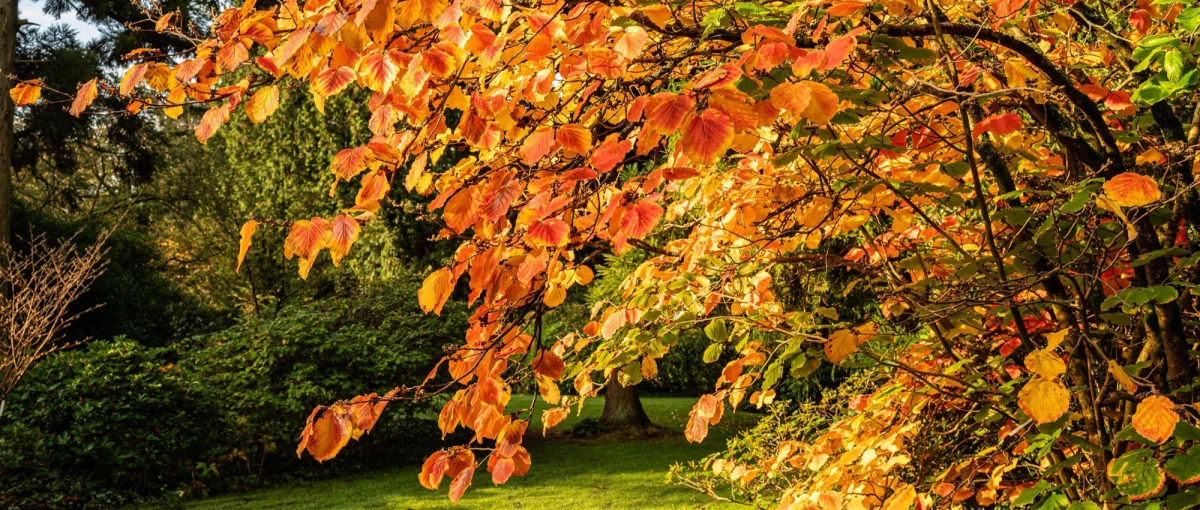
1015 180
42 284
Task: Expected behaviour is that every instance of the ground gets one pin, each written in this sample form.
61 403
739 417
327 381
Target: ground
569 473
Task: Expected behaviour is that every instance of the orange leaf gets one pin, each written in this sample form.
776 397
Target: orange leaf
1001 124
213 119
846 8
435 290
328 435
553 416
461 481
610 154
247 233
377 71
25 93
549 232
697 427
502 468
1131 190
132 78
631 42
350 162
375 186
574 138
344 234
262 104
305 240
510 438
549 365
822 104
841 343
537 145
332 81
1155 418
84 97
433 470
707 136
462 210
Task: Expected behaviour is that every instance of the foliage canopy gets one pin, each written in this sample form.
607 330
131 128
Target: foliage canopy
1014 182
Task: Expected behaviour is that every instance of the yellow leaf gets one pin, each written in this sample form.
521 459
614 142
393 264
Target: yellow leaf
1045 363
1122 377
1056 338
435 290
902 499
1108 204
247 233
262 104
1044 400
1155 418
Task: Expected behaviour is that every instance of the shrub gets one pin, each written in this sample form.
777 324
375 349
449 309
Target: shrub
101 425
115 422
267 374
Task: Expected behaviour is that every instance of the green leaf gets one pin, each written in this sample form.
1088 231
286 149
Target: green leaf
1083 505
1185 431
1184 500
1150 93
1184 467
772 375
715 331
1030 494
1136 474
713 353
1079 201
630 374
1173 65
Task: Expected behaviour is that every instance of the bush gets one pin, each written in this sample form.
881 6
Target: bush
101 425
268 373
115 422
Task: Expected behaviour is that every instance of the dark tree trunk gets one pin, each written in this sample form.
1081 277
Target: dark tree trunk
8 48
623 408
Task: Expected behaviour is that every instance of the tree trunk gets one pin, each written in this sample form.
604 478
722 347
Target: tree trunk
623 408
8 48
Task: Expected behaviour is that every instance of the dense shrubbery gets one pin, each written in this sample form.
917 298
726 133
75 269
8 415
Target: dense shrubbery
102 424
114 421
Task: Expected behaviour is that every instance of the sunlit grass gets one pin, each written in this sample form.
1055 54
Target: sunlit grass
567 473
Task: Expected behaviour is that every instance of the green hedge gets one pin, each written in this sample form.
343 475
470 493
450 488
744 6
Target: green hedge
116 422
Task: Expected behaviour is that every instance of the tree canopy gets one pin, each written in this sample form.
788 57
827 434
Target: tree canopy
1011 181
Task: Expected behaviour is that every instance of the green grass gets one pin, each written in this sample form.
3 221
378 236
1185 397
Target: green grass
566 473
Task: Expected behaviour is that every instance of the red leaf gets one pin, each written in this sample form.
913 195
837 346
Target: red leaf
609 154
133 77
631 42
640 218
377 71
667 112
549 232
502 468
707 136
1001 124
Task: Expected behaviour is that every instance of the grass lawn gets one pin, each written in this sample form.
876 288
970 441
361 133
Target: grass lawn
566 473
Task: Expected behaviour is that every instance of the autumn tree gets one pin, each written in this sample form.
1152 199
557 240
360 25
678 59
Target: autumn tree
1014 182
